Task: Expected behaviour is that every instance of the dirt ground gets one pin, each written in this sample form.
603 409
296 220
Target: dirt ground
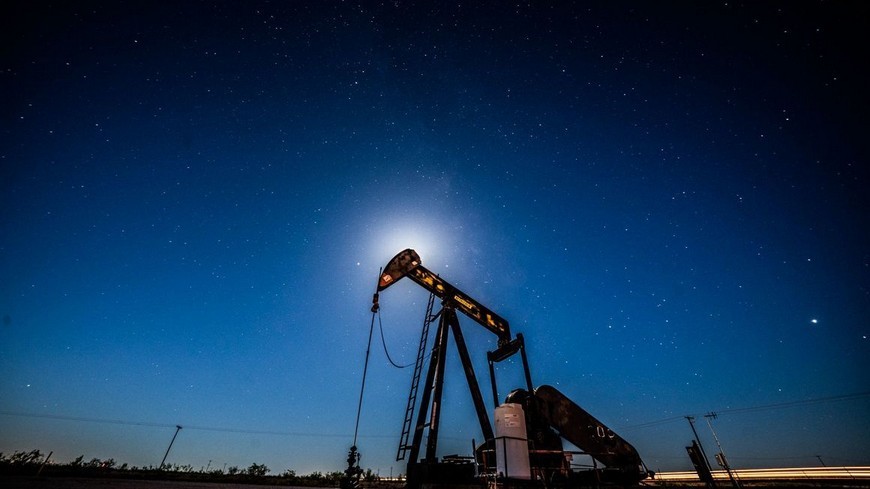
21 482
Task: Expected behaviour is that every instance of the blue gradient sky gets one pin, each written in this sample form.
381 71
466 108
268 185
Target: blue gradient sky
669 202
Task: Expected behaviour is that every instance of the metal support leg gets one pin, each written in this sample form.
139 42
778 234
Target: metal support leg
473 386
437 389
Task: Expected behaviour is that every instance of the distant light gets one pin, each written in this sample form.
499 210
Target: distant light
396 234
814 321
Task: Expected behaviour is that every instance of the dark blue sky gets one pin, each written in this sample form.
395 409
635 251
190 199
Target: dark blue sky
668 201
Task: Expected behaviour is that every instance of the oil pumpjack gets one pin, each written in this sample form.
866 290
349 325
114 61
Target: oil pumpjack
526 447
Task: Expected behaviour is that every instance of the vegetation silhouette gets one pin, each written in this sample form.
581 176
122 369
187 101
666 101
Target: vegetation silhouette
34 462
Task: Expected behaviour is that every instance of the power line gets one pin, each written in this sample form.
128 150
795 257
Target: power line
818 400
186 426
88 420
194 427
844 397
655 423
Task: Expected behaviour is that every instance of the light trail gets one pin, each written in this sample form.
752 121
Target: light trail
790 473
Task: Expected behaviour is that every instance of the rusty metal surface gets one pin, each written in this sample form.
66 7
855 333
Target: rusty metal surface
398 267
408 263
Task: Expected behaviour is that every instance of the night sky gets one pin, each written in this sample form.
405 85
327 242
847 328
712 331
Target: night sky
668 199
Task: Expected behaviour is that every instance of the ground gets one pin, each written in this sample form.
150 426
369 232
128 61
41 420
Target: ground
22 482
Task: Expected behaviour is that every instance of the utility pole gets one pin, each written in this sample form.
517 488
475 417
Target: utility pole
712 481
49 456
720 457
177 429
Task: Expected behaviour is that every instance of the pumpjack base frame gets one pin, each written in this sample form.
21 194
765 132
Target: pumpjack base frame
438 475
